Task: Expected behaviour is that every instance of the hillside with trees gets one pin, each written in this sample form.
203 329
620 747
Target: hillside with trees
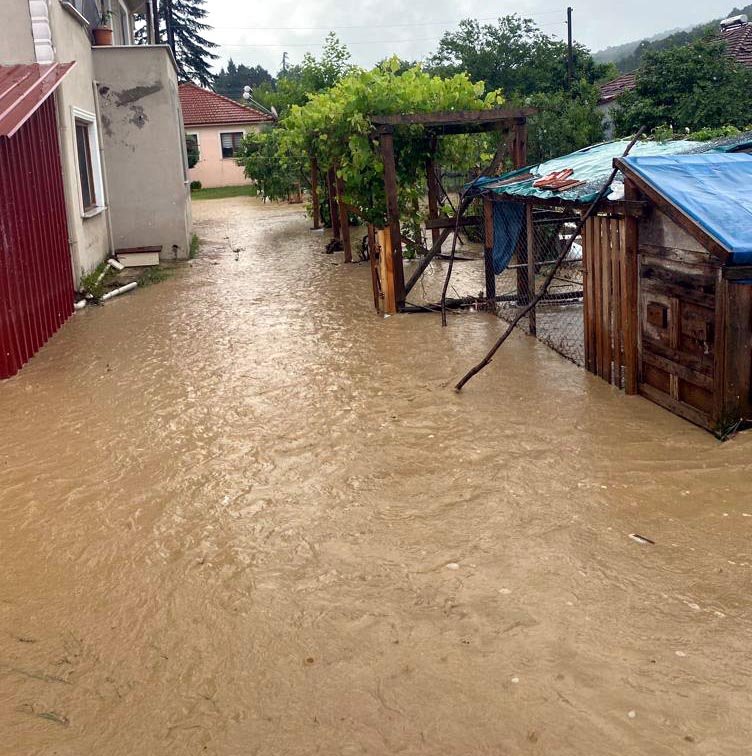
628 57
687 88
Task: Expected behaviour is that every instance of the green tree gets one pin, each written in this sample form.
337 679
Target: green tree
513 55
563 123
334 127
231 80
276 176
182 25
692 87
297 83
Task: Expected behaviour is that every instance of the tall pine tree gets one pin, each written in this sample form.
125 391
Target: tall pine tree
182 26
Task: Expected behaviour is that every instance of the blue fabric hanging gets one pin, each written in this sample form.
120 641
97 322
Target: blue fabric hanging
507 226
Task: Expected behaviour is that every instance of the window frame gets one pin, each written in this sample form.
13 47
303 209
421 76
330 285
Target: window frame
125 24
83 117
234 156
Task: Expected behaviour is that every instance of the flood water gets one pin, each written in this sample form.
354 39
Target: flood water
241 514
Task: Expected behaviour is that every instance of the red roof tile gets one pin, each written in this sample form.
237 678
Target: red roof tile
23 88
202 107
614 88
738 41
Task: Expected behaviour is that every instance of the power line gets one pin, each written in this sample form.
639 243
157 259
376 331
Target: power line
356 42
366 26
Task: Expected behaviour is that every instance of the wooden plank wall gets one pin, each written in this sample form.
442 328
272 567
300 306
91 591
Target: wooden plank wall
606 308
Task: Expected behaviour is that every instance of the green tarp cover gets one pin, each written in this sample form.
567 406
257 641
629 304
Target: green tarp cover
593 166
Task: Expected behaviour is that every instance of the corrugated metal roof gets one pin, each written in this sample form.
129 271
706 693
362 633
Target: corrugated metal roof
23 88
202 107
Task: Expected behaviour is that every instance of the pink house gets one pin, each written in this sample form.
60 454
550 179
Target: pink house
217 124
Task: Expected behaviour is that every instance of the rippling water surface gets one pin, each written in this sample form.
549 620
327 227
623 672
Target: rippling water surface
241 514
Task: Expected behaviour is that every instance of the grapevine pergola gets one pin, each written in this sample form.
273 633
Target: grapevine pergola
390 287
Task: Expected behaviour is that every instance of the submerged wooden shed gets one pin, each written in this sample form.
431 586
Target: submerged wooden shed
693 253
663 286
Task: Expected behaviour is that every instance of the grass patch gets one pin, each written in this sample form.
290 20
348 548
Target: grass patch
89 282
194 248
224 192
153 275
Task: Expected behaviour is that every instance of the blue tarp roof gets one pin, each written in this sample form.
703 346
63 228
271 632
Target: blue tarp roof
593 165
714 189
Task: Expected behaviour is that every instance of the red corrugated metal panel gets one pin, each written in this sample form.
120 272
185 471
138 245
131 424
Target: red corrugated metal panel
23 88
36 285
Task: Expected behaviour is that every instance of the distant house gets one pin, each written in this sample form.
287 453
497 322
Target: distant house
735 32
217 125
92 158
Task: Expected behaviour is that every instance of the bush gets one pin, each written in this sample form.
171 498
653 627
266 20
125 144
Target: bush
195 186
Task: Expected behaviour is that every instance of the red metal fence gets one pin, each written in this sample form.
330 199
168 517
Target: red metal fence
36 283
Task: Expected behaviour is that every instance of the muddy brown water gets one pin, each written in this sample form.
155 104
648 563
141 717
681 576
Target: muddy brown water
241 514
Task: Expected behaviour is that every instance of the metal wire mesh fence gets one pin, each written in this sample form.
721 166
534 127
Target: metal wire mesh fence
527 258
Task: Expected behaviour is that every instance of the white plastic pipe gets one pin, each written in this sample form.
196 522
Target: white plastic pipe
117 292
80 305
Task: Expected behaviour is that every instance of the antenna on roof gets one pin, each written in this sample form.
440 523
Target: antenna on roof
247 96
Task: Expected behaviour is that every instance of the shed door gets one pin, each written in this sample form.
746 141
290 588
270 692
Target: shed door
677 332
36 283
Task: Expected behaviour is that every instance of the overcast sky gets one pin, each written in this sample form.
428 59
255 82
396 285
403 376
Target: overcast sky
259 32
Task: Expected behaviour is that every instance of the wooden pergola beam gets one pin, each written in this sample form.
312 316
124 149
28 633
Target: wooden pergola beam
490 118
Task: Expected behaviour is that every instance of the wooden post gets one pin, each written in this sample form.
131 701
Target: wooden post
433 189
520 260
488 243
373 259
386 143
519 154
316 209
331 186
588 297
530 265
630 295
344 220
386 271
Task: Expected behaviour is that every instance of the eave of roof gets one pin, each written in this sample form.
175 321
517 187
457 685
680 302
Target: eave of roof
23 89
201 107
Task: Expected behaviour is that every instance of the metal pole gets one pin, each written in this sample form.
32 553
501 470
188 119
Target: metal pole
154 5
169 25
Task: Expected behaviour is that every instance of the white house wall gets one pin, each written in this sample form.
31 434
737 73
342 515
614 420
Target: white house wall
16 42
89 236
143 142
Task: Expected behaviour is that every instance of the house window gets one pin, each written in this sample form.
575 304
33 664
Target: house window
192 151
231 143
87 158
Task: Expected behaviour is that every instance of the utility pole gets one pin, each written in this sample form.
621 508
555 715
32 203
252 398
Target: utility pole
284 62
570 51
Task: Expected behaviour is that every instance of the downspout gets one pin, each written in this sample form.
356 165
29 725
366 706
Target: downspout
103 164
73 242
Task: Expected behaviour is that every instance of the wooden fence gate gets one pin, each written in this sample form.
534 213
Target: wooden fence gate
610 300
